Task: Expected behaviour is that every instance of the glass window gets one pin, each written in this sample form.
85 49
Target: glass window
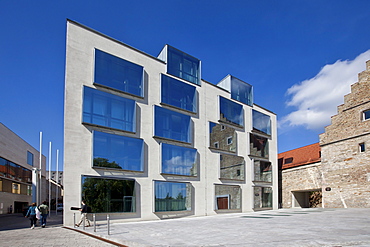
16 188
261 122
172 125
109 110
232 167
179 160
259 146
117 73
183 65
178 94
222 137
241 91
171 196
29 158
227 197
115 151
262 171
262 197
1 185
106 195
231 112
3 167
367 115
362 147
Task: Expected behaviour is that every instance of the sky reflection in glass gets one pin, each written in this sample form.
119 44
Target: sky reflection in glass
231 112
261 122
179 160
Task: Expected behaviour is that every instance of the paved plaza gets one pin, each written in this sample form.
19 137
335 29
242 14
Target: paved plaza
284 227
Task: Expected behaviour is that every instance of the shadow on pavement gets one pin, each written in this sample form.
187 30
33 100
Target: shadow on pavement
18 221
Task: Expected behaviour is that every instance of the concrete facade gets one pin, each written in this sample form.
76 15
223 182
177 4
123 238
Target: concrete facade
16 172
345 167
208 183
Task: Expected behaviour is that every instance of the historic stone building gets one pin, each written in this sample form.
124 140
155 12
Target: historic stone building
345 149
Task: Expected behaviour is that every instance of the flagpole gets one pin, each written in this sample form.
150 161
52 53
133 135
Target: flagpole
57 187
38 199
49 174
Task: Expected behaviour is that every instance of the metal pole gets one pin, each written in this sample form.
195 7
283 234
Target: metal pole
49 175
40 175
57 187
94 219
74 220
108 224
83 223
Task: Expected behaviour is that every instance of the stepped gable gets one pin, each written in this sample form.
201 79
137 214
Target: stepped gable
349 121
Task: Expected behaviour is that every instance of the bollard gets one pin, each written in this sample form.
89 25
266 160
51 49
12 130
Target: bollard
108 224
74 220
94 222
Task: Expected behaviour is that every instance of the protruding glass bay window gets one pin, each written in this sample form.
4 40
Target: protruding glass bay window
178 94
240 90
107 195
262 171
172 125
261 122
232 167
262 197
227 197
119 74
112 111
118 152
231 112
172 196
222 137
179 160
259 146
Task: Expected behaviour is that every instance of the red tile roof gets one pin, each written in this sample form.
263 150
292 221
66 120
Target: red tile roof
300 156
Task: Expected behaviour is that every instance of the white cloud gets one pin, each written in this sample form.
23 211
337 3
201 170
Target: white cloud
316 99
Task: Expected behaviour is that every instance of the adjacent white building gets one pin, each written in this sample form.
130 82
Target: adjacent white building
146 138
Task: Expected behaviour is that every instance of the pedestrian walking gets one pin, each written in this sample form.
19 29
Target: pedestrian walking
84 210
44 209
31 214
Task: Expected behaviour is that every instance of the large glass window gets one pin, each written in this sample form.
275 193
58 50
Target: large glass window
231 112
118 73
261 122
232 167
178 94
259 146
241 91
3 167
170 196
172 125
222 137
262 171
29 158
106 195
115 151
16 188
262 197
183 65
108 110
179 160
227 197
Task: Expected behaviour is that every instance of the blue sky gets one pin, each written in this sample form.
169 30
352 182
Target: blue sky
299 55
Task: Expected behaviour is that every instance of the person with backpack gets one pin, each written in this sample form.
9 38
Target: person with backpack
31 213
84 210
44 209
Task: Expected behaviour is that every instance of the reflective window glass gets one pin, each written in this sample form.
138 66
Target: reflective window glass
3 167
105 195
241 91
172 125
108 110
262 171
170 196
118 73
178 94
179 160
222 137
232 167
115 151
183 65
367 115
29 158
259 146
261 122
227 197
231 112
262 197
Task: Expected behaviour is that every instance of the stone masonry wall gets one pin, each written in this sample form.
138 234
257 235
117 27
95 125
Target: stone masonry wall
346 170
302 178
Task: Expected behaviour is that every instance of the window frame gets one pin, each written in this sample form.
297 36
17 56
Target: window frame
184 154
170 200
366 115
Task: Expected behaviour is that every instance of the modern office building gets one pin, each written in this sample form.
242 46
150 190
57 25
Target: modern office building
18 160
147 138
